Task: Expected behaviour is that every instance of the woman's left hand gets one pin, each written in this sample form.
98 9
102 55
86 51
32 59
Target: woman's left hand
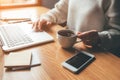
90 38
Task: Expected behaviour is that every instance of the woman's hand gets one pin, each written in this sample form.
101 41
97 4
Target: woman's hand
90 38
39 24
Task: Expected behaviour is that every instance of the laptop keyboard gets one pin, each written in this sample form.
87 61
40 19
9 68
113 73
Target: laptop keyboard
14 36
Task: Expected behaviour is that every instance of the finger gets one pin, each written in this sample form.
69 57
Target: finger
35 26
88 34
41 24
90 31
48 23
79 33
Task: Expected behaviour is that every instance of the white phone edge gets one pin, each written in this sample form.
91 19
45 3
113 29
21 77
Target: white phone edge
68 66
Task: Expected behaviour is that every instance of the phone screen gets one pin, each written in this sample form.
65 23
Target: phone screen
78 60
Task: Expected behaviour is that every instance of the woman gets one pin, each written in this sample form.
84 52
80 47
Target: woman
97 22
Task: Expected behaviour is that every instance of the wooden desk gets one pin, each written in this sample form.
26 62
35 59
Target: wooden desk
105 67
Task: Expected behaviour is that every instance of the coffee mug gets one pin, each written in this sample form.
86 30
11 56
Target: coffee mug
66 38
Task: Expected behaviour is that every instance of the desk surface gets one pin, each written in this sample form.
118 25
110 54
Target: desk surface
105 67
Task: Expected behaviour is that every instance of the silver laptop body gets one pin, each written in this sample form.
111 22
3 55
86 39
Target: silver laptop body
21 35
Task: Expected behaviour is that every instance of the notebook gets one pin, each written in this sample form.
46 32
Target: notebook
22 60
21 35
18 59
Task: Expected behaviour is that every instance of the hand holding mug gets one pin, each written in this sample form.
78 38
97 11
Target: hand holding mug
90 38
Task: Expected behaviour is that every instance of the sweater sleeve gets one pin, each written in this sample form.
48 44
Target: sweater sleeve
58 14
110 38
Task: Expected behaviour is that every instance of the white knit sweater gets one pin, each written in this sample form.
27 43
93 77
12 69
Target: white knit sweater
84 15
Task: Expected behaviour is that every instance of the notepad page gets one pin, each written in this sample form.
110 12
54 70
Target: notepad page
18 59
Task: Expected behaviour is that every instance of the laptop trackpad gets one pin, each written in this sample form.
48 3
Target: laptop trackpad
40 36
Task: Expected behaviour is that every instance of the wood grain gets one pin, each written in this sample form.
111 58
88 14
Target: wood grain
105 67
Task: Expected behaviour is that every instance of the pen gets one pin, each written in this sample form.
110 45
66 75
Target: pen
14 19
17 21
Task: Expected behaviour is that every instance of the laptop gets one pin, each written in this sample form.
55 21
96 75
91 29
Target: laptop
21 35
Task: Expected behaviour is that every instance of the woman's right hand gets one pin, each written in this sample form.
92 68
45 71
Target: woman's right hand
39 24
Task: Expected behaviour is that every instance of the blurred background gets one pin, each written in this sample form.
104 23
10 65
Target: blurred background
13 3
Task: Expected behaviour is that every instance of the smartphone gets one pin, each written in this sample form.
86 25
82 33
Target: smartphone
78 62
